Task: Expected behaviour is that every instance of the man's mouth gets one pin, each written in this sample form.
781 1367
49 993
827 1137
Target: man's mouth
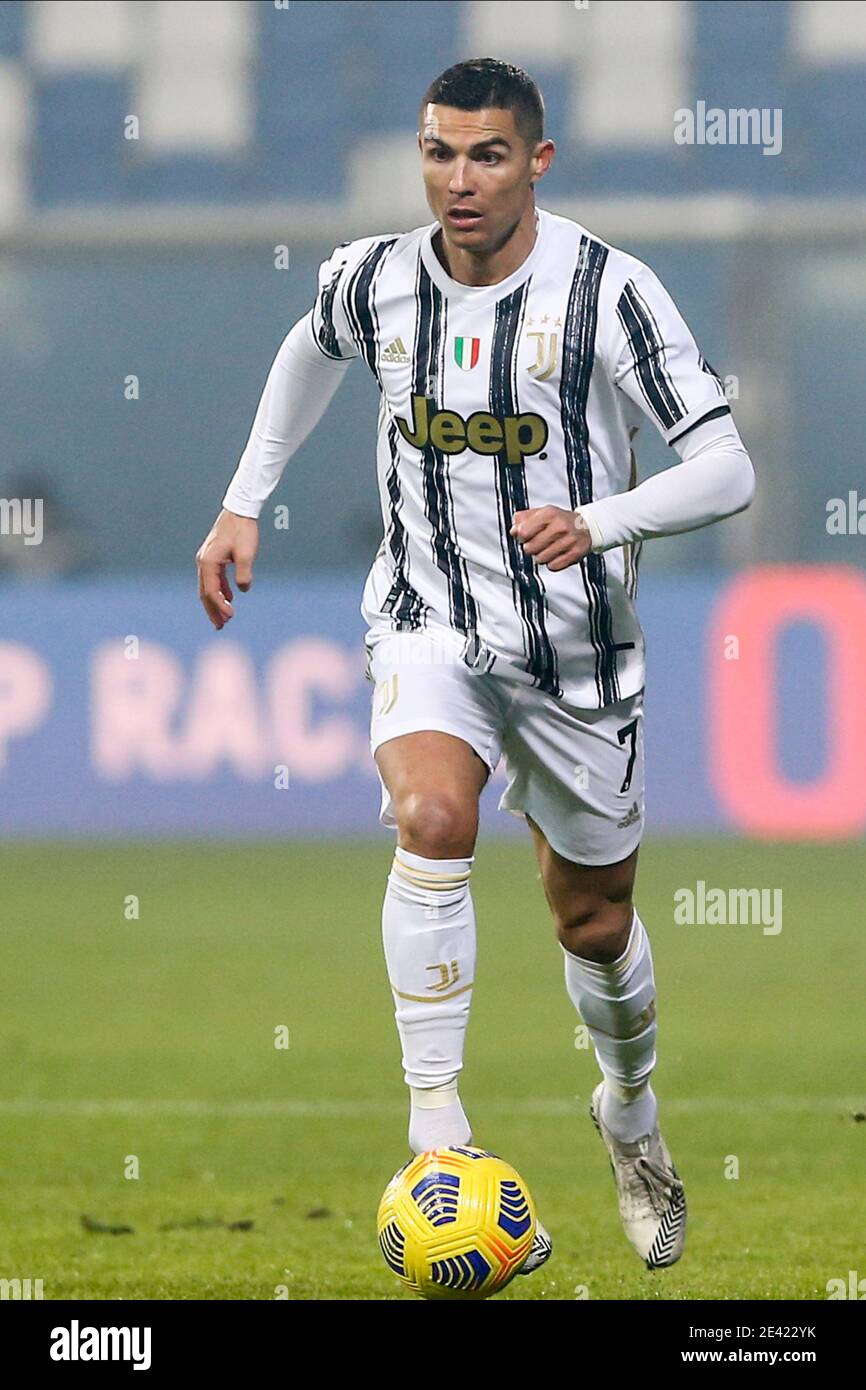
463 217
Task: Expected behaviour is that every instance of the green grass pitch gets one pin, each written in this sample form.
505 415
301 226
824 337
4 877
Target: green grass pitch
154 1038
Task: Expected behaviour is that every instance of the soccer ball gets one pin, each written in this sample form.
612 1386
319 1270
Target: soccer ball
456 1223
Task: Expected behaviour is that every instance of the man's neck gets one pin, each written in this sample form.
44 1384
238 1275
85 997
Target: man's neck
468 268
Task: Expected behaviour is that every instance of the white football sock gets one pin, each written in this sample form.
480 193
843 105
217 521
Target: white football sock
437 1119
428 932
617 1003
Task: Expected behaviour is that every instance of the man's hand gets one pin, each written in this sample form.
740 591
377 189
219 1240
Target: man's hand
232 540
555 537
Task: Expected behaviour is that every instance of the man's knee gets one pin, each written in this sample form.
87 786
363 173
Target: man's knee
437 824
595 928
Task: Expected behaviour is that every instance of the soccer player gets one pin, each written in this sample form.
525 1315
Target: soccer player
516 354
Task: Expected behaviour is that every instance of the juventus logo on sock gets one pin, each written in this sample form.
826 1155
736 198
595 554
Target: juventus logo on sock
448 975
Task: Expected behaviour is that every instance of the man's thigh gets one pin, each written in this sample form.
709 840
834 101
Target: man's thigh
435 727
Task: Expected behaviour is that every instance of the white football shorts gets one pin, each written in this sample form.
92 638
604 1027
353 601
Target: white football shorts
579 773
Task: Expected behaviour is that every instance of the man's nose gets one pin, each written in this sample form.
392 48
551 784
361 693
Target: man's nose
461 177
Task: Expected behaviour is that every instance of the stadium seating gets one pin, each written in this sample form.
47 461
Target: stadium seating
251 101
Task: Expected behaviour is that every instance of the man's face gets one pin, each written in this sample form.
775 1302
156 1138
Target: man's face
478 173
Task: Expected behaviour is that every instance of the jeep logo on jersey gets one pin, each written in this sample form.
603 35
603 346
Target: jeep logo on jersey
519 435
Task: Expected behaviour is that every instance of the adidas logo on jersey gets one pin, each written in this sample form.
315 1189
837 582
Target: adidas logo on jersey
630 817
395 354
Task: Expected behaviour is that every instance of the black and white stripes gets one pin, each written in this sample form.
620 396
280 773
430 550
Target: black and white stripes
578 357
428 372
357 300
360 305
324 332
527 587
648 353
403 603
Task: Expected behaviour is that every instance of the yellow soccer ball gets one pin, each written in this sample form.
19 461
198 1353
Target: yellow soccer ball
456 1223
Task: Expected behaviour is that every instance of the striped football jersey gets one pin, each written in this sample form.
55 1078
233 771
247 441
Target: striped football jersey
499 398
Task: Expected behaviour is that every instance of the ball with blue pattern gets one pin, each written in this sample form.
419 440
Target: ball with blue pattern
456 1223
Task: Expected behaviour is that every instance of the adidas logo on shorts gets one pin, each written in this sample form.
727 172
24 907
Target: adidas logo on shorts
630 817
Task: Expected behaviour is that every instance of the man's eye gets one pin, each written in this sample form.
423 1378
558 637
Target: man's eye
491 158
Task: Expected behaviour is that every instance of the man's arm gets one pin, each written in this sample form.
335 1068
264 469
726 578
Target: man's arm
298 391
299 388
715 479
653 358
306 372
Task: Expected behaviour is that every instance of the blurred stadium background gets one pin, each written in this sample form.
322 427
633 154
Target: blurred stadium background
171 176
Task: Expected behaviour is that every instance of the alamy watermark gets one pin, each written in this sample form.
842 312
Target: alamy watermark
22 1289
703 906
424 648
22 516
846 516
853 1287
739 125
77 1343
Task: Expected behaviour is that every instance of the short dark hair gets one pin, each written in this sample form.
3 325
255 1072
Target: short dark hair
484 82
